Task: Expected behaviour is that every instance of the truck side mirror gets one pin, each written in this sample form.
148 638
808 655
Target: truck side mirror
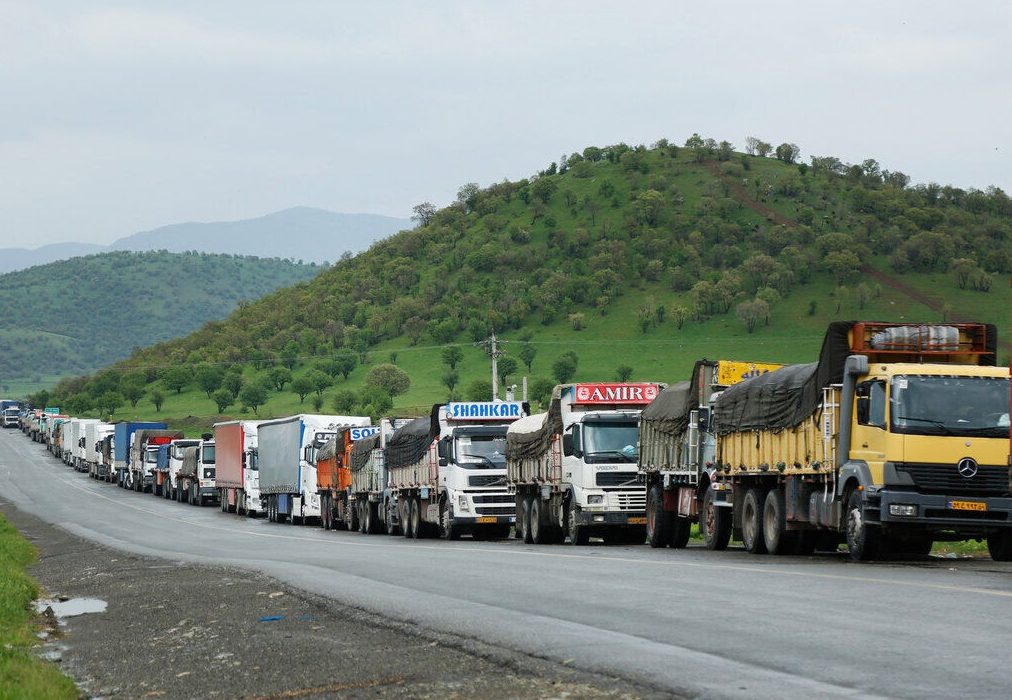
567 445
307 453
444 448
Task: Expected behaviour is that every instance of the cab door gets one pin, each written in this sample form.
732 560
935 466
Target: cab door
869 437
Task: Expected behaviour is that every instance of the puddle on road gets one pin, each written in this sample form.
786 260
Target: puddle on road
71 607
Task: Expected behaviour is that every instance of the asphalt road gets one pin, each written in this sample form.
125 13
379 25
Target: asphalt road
691 622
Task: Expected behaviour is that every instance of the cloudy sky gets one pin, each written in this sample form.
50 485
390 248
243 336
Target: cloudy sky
120 117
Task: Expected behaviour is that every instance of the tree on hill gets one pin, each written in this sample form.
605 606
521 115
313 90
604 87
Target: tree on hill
303 386
222 399
132 388
527 353
278 377
209 377
157 398
564 367
344 401
623 372
320 380
232 383
253 396
506 366
176 378
423 213
452 355
390 378
479 390
450 378
109 401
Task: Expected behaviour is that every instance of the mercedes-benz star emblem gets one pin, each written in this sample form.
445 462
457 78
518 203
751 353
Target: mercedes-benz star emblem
967 467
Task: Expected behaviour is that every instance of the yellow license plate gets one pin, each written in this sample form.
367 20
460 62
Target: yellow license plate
967 505
485 519
637 521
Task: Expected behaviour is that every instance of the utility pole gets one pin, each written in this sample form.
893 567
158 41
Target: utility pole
492 349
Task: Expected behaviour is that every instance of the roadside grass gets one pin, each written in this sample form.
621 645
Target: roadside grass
22 675
967 548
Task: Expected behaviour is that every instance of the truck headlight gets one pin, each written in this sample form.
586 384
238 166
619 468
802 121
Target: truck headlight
902 509
595 499
462 502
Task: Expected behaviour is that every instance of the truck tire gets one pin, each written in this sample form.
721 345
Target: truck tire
863 541
523 513
999 546
659 521
578 534
326 514
752 521
778 539
681 529
536 522
415 519
714 523
447 530
389 525
371 518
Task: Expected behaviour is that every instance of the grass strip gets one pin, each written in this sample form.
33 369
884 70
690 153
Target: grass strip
22 674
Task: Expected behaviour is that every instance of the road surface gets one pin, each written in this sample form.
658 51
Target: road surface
691 622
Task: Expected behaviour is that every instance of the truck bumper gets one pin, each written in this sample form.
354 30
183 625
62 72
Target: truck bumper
939 512
610 519
208 492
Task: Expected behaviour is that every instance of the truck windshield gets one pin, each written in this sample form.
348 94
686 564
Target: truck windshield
481 451
610 442
960 406
151 456
207 454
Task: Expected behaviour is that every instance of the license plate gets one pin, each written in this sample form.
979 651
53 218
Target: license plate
637 521
485 519
967 505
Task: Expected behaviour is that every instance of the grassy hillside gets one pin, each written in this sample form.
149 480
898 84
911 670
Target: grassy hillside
637 260
79 314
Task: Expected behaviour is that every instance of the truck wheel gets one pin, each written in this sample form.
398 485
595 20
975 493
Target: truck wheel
351 518
999 546
523 512
863 541
578 534
326 513
752 521
658 520
415 519
446 528
536 522
778 539
371 516
271 517
714 523
392 528
681 528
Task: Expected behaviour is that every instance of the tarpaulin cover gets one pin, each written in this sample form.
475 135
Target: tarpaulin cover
329 449
361 450
190 457
410 442
531 437
669 412
785 397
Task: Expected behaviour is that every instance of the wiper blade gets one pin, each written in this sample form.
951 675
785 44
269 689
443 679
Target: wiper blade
937 423
616 453
487 460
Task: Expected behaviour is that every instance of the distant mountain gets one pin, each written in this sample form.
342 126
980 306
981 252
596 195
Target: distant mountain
19 258
72 316
299 233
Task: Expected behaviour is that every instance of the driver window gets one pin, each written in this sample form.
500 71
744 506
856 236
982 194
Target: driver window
871 402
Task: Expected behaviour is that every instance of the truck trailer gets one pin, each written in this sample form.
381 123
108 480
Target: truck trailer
676 456
371 494
895 438
94 433
572 469
144 473
236 476
287 476
123 439
448 471
195 480
333 478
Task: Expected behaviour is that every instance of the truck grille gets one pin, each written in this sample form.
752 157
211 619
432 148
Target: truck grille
632 500
486 480
945 479
493 498
616 478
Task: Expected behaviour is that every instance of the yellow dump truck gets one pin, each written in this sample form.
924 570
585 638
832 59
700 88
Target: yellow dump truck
896 438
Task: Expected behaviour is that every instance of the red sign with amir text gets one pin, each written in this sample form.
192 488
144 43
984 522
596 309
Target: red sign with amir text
634 394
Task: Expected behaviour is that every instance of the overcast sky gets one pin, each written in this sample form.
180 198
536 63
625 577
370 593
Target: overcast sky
121 117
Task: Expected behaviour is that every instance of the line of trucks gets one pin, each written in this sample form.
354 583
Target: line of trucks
896 437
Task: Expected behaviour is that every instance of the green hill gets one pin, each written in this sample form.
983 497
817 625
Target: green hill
636 260
76 315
